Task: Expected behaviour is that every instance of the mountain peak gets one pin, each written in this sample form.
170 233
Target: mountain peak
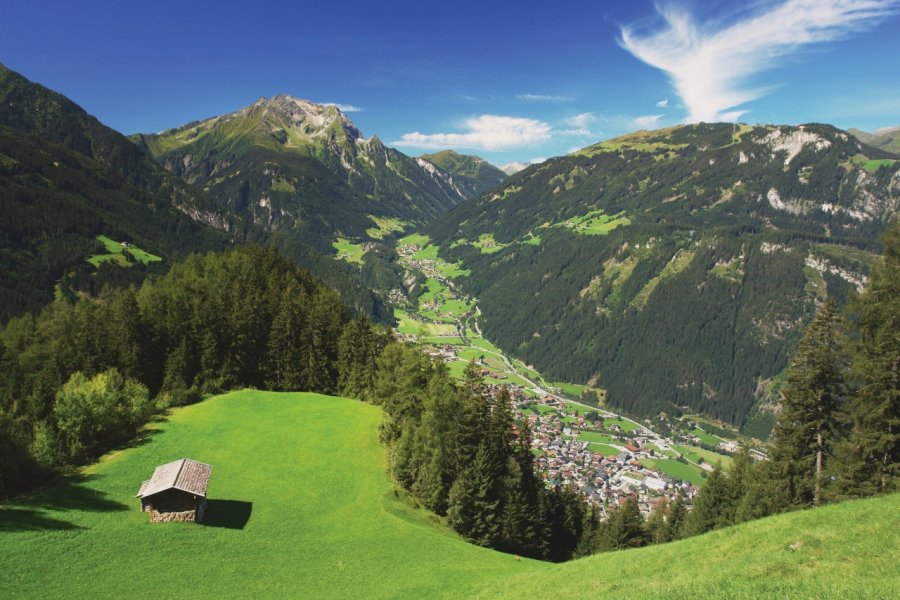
305 116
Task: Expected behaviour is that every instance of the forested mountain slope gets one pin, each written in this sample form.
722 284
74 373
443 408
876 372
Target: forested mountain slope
302 169
471 174
65 178
675 268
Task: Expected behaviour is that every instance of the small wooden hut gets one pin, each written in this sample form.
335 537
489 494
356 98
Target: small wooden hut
176 492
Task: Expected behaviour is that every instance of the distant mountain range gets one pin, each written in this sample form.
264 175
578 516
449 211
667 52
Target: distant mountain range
887 138
470 174
282 171
675 268
303 170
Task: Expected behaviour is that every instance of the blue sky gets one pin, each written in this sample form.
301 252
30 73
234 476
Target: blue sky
510 81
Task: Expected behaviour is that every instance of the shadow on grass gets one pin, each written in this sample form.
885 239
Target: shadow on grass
41 510
231 514
26 519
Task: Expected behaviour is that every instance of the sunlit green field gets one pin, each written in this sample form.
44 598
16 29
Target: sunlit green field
301 506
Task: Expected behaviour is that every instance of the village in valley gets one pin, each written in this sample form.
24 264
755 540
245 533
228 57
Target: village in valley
575 440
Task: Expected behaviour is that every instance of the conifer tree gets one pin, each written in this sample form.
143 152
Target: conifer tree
657 528
807 428
710 506
675 519
625 527
873 461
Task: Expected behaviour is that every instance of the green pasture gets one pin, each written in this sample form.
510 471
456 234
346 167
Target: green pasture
300 506
847 550
593 436
348 251
673 468
118 254
698 455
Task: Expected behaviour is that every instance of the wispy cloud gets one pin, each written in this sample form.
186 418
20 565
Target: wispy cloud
485 132
710 63
647 121
663 103
578 125
346 108
544 98
582 120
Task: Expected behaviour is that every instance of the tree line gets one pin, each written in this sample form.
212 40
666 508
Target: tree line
83 376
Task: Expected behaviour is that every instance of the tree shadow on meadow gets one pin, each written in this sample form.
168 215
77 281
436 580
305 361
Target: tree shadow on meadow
44 508
231 514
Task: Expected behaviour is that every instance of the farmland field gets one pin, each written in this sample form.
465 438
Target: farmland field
676 469
118 254
697 455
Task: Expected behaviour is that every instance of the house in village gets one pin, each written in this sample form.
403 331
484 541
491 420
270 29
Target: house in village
176 492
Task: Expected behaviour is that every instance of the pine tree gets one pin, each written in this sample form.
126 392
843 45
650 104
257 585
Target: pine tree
675 519
657 528
807 428
626 527
873 461
710 506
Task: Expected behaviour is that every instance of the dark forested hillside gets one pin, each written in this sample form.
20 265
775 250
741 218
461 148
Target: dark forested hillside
675 268
66 179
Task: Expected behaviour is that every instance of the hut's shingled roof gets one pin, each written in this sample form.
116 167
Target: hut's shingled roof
184 474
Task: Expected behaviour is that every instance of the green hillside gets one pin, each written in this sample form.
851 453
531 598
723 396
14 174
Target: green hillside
674 268
301 506
66 178
847 550
472 174
885 139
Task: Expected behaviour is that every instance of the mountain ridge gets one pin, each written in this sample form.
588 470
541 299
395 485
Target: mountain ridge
472 174
284 163
674 268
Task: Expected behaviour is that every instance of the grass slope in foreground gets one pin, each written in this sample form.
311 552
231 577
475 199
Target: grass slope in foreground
847 550
300 506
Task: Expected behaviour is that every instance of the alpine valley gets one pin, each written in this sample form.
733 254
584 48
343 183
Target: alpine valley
429 355
675 268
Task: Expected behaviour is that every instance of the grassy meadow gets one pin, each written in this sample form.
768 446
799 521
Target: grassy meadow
301 506
118 254
847 550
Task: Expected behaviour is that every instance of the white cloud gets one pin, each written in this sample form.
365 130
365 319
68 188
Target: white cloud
345 108
514 167
647 121
485 132
544 98
710 63
575 131
582 120
663 103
